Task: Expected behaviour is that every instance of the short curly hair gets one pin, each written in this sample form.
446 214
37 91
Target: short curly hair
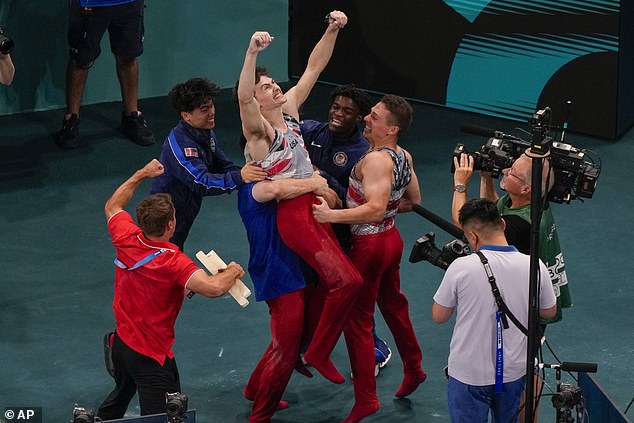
190 95
359 97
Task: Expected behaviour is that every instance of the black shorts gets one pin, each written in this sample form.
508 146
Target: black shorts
87 26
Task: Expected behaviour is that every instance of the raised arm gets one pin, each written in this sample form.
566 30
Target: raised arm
121 197
258 132
462 175
487 187
376 175
319 58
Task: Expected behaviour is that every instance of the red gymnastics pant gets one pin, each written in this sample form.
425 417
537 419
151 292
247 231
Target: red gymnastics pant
316 245
270 377
378 258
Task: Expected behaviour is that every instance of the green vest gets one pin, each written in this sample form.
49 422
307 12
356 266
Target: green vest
549 251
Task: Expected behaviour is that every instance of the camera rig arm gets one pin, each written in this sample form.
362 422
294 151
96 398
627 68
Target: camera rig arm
448 227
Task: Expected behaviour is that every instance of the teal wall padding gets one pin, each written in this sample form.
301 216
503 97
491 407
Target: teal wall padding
182 39
490 69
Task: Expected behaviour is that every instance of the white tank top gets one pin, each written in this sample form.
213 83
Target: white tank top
355 196
287 157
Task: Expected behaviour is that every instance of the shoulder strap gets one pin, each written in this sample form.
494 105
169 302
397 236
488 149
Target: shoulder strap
498 297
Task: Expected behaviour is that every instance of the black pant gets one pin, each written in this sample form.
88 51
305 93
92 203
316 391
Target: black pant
132 372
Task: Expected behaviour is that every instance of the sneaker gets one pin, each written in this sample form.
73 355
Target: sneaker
135 127
382 352
68 136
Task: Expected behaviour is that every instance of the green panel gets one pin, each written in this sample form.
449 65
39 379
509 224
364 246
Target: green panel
182 39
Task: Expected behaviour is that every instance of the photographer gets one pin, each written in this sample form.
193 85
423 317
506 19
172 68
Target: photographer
515 208
472 366
7 70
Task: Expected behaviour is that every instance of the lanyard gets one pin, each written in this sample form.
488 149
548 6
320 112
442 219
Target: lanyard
501 323
141 262
499 352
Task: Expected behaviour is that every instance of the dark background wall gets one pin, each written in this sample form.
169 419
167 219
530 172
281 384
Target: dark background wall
500 58
182 39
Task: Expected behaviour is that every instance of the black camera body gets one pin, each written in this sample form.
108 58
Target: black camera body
82 415
175 406
6 43
575 173
495 155
425 249
567 397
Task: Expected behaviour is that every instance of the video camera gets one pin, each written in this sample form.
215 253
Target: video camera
575 172
425 249
425 246
82 415
175 406
568 396
6 43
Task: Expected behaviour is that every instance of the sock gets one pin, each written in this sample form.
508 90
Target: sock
358 413
329 371
410 383
300 367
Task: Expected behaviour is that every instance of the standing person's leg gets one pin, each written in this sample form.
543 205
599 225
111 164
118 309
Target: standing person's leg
128 74
126 39
276 367
505 404
116 404
395 310
75 84
154 381
468 404
85 30
319 248
370 254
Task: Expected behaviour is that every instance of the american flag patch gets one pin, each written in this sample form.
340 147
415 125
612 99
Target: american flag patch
191 152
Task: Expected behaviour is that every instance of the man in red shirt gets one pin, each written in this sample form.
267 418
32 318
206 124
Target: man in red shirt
151 279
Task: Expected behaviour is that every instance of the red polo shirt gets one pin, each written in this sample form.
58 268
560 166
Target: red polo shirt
147 300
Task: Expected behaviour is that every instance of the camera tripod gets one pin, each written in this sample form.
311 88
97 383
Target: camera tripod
569 396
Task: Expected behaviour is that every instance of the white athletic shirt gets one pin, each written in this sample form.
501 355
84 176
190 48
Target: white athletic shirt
287 157
466 287
355 195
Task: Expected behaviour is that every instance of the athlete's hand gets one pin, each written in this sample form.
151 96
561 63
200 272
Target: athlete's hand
331 197
337 19
234 268
322 212
251 172
259 41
